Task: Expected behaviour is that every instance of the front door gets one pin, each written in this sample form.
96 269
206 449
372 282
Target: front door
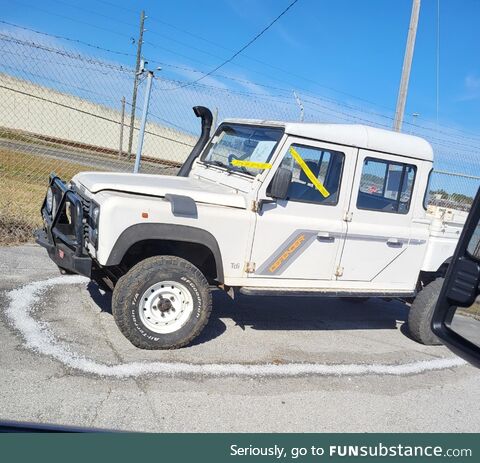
300 237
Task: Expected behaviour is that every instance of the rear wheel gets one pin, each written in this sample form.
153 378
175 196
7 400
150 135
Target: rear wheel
421 313
163 302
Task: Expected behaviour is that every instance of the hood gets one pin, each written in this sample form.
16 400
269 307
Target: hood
160 185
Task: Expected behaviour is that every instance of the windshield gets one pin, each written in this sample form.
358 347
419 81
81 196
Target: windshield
243 148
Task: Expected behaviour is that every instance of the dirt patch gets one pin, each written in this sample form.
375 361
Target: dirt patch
15 231
23 184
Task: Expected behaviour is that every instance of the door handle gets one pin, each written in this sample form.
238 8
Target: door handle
394 242
325 236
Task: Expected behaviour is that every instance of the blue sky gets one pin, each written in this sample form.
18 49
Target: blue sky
353 47
343 57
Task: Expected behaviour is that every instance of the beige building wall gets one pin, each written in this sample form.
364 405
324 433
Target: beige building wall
37 114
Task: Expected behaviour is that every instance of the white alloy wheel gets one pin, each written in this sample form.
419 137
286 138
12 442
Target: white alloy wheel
165 307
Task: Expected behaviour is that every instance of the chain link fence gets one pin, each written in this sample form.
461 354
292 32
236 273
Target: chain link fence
67 111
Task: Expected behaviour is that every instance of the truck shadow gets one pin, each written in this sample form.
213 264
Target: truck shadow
310 313
290 313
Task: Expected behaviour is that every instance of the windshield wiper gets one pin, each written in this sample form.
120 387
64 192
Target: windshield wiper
219 163
242 169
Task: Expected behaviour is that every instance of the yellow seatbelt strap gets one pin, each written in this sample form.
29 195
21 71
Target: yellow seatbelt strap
254 165
310 175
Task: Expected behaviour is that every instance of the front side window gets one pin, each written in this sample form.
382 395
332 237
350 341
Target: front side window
316 174
386 186
243 148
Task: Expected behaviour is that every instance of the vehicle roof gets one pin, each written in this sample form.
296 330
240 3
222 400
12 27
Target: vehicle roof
357 135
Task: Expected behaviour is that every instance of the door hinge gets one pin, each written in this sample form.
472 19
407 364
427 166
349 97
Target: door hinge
348 216
339 271
255 206
249 267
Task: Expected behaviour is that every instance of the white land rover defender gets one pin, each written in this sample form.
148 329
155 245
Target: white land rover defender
263 208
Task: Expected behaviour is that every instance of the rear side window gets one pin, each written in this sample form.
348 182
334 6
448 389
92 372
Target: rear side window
324 166
386 186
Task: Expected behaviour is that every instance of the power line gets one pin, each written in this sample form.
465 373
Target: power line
163 36
152 32
336 102
259 61
277 98
218 75
165 23
258 96
337 113
250 42
283 71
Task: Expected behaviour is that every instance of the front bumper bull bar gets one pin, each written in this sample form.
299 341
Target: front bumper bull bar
63 232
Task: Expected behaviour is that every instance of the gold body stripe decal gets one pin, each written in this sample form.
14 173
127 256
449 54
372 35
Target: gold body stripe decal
286 254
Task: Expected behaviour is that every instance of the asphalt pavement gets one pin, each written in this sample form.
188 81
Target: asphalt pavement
262 364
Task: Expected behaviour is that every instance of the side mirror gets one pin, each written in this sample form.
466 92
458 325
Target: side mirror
280 183
456 320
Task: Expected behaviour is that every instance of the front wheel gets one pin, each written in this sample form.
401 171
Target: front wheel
163 302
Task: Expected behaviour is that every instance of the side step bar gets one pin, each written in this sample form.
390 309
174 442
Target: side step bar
323 292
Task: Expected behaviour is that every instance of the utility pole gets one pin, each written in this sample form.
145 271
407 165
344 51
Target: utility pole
407 65
122 125
135 82
143 123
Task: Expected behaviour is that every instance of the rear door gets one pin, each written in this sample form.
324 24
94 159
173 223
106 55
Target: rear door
300 238
380 217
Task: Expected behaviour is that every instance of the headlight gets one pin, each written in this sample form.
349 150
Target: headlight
54 204
93 224
95 214
49 200
93 236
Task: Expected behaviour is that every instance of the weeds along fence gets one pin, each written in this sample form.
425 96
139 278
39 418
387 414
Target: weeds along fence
65 110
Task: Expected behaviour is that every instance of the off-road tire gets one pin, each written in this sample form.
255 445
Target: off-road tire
131 286
421 313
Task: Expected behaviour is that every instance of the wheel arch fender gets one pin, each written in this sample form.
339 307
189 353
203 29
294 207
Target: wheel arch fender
163 231
426 277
